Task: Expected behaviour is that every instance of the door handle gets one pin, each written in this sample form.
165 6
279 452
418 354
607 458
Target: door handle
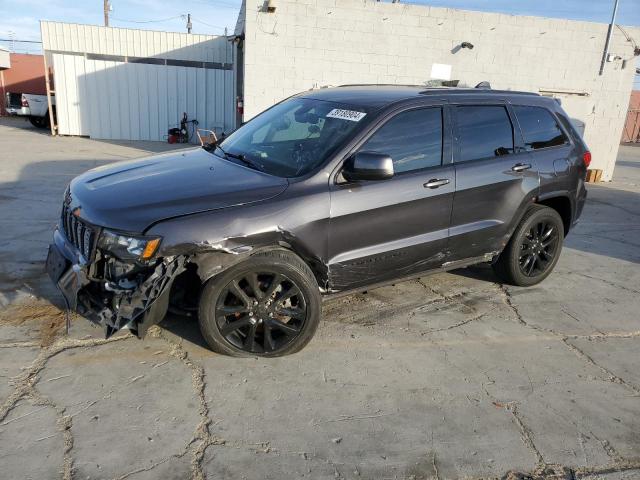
520 167
436 182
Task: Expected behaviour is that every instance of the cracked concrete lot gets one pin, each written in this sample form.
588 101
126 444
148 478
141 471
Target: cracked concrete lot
449 376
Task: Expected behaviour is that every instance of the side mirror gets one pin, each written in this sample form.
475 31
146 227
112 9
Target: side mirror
368 166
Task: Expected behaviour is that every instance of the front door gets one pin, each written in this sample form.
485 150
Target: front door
392 228
495 179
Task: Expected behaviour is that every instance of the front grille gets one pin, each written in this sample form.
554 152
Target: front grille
77 232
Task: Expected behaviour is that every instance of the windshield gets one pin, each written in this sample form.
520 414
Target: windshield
294 137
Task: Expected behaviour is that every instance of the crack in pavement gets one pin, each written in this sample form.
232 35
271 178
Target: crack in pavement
598 336
605 444
154 465
561 472
525 432
202 437
603 280
25 389
610 376
460 323
619 463
618 467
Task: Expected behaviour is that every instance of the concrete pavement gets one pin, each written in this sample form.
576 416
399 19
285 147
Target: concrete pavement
449 376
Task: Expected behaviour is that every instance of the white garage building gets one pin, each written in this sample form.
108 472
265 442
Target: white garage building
116 83
303 44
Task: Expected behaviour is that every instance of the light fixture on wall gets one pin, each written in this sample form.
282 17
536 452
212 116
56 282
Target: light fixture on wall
462 45
269 6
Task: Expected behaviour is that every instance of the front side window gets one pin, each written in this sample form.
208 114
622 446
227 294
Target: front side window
412 139
539 128
294 137
484 131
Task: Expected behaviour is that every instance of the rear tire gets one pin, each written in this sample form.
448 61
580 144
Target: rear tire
37 122
268 305
534 248
40 122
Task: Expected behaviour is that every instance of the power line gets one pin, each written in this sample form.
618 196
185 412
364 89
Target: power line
20 41
207 24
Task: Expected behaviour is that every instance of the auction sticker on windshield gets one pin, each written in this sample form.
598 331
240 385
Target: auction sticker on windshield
346 114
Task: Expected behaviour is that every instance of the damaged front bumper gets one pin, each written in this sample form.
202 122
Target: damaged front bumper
135 297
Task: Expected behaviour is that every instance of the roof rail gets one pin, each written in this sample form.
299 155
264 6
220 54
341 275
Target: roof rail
379 85
484 85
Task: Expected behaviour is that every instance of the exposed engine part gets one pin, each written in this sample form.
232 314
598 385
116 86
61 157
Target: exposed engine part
125 306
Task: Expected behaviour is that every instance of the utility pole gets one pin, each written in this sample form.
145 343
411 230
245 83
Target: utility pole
106 13
609 33
188 23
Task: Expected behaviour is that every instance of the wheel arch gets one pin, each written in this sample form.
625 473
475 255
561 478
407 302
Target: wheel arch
561 203
209 264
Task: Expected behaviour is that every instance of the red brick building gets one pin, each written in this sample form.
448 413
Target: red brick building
631 132
25 75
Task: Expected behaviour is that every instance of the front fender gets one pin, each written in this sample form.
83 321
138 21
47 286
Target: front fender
217 241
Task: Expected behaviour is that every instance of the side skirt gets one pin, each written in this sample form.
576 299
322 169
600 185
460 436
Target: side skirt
467 262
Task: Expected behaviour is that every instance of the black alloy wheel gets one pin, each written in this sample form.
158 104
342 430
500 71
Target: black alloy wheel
261 311
533 249
538 248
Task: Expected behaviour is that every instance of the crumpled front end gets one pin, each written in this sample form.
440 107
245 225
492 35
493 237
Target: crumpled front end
106 290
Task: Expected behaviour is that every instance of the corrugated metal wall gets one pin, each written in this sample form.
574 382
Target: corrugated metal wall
73 37
131 84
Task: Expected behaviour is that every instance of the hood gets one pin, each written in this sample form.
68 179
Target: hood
130 196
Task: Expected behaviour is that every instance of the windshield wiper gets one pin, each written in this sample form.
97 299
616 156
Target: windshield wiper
238 156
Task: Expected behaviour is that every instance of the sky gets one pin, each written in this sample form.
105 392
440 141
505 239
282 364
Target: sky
19 18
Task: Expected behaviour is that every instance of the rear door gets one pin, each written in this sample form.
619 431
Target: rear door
550 148
495 178
392 228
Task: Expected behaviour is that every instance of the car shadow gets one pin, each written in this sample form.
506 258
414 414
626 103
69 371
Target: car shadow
23 123
185 327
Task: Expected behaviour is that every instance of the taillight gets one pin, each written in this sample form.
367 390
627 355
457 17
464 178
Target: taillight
586 158
24 101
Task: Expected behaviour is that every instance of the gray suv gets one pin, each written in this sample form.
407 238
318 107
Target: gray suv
328 192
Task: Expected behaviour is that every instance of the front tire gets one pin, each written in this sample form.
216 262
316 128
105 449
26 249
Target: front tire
534 248
268 305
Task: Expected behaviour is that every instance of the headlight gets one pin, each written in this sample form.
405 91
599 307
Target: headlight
128 247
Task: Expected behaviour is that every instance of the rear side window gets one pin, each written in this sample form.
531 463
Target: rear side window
483 132
412 139
539 128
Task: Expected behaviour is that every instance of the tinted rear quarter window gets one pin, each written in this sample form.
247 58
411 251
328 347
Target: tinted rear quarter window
484 131
539 127
413 139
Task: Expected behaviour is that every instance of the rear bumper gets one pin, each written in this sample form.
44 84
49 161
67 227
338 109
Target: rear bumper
100 300
20 111
580 201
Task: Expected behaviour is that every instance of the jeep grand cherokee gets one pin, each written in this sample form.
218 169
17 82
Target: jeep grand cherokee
327 192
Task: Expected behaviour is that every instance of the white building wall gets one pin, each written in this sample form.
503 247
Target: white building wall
74 37
104 92
5 59
312 43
